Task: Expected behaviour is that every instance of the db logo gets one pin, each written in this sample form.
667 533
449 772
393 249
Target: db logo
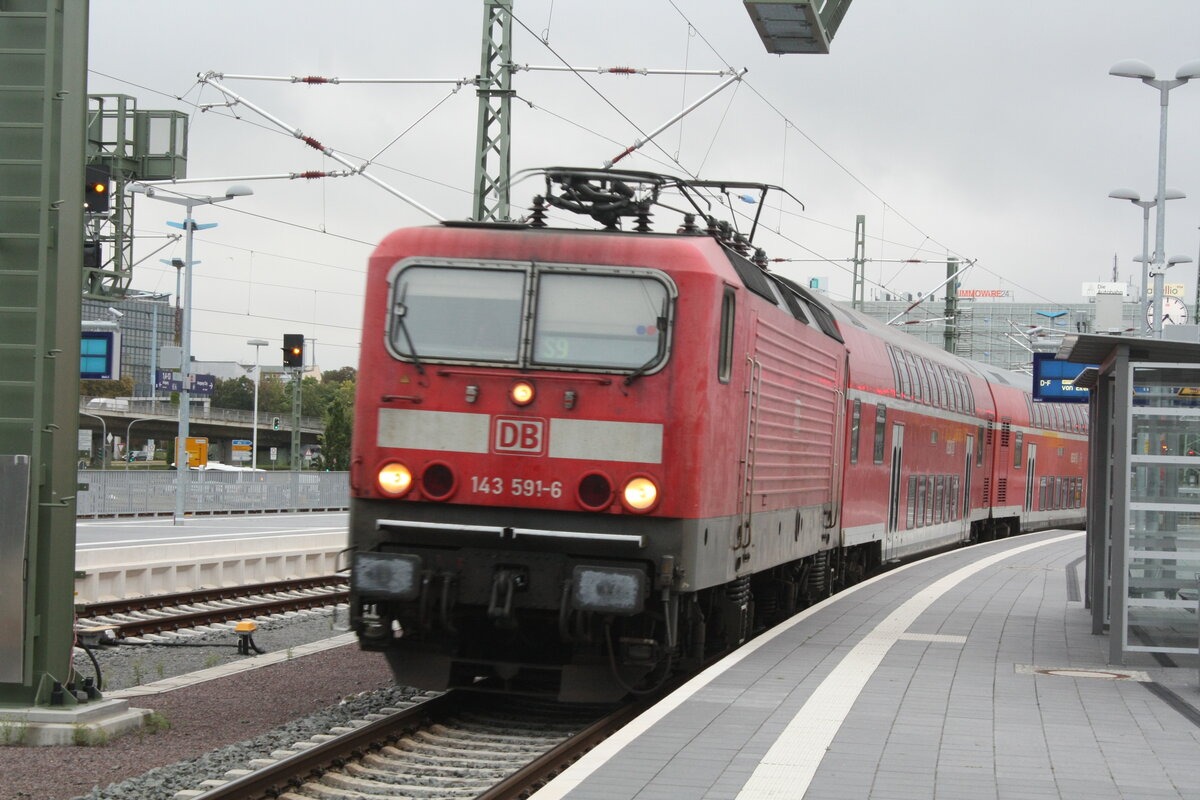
519 435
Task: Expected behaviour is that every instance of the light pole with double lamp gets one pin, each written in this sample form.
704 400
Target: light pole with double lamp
1145 206
257 375
1134 68
189 226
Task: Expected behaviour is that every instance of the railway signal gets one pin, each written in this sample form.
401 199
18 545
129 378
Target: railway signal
96 189
293 350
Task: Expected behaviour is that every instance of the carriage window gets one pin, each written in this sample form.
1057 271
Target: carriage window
855 425
918 381
939 383
979 446
454 313
880 430
1017 450
607 321
939 498
725 350
912 501
928 499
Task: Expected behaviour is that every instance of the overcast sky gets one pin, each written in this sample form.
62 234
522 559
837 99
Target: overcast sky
988 131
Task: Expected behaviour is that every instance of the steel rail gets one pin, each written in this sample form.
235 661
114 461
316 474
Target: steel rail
542 770
192 619
157 601
271 781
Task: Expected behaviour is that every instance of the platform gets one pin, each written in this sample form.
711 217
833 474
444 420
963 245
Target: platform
973 674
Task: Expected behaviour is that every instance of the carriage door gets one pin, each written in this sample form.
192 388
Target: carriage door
1030 469
966 496
893 519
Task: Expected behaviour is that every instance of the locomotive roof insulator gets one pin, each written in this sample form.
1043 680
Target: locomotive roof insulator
537 219
643 218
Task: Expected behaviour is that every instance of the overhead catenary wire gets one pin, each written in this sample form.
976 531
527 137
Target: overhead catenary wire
210 78
567 68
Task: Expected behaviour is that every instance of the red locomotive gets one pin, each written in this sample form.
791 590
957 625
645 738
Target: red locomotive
586 459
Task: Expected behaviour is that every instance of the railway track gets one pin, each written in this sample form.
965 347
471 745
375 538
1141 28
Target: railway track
160 614
453 745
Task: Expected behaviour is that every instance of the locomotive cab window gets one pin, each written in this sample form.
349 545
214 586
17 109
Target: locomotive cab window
551 316
605 321
454 313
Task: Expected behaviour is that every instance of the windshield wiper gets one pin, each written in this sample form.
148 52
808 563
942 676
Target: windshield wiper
412 351
659 353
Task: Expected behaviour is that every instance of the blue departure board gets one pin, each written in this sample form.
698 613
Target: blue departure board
1052 380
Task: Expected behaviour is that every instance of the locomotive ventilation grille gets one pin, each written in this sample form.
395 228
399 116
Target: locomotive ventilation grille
1001 490
987 488
1005 434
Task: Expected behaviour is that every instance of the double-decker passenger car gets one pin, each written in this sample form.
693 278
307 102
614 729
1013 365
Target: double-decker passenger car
586 459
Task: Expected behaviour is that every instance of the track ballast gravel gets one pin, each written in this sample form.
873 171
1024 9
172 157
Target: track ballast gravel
217 725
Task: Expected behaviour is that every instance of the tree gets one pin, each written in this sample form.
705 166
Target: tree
339 427
273 395
339 375
121 388
233 393
314 396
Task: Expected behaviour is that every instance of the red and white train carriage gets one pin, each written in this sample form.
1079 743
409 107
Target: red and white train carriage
585 459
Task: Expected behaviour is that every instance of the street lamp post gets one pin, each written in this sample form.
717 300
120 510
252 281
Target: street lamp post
1145 205
103 438
129 428
189 226
257 374
1134 68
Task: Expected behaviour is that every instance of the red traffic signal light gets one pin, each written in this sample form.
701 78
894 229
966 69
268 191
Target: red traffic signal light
293 350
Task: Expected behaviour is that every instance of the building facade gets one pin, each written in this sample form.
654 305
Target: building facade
146 324
1002 334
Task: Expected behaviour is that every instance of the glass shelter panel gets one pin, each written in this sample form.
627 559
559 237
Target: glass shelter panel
1163 510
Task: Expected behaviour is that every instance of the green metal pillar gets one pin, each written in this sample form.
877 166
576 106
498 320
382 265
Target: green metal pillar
950 331
43 99
860 261
297 375
495 94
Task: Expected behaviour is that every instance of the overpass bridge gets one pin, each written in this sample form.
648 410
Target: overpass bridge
141 420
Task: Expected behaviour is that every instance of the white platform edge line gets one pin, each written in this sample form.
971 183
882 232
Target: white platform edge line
601 754
787 770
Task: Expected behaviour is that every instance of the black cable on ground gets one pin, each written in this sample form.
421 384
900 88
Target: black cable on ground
96 664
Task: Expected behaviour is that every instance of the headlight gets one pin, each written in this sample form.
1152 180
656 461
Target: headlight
521 393
391 575
395 479
609 590
640 494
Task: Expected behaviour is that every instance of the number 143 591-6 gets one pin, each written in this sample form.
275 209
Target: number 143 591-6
517 487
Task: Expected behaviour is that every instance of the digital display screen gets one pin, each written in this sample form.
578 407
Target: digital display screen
1052 380
96 355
